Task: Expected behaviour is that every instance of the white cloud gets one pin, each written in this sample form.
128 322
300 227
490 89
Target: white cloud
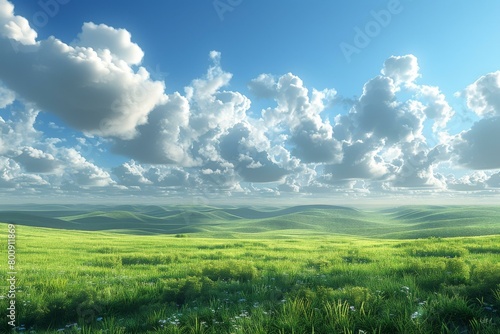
184 130
264 86
376 124
12 177
473 182
162 140
483 96
216 176
379 114
131 174
494 180
212 108
6 97
401 69
169 177
437 107
253 165
81 173
417 166
18 131
103 38
360 161
15 27
9 169
92 90
478 148
36 161
299 117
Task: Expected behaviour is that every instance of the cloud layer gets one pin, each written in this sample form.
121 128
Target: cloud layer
208 140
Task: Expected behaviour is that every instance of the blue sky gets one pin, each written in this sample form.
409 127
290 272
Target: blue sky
320 101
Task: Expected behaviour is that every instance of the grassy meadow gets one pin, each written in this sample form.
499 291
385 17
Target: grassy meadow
293 270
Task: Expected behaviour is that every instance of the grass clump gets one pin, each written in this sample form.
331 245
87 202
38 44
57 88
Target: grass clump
233 270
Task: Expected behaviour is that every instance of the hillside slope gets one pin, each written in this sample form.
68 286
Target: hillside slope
395 223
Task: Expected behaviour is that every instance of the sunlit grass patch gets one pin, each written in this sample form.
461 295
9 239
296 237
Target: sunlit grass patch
107 283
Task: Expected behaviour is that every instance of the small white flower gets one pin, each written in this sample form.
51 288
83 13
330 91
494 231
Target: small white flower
416 315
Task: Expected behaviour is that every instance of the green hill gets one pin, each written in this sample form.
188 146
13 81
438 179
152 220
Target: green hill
396 223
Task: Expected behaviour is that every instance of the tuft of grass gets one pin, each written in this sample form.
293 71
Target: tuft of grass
233 270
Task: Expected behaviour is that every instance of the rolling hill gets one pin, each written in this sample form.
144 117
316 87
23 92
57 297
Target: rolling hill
395 223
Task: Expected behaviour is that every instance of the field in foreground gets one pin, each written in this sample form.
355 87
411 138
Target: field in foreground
274 281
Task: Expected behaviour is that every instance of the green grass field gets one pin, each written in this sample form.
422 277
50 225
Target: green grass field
309 269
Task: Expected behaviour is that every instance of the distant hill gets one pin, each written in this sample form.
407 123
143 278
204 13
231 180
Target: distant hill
395 223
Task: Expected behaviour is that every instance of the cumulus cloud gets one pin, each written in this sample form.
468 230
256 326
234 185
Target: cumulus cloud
160 140
416 168
15 27
314 142
12 177
103 38
360 161
32 163
401 69
79 172
184 130
18 130
494 180
237 147
378 123
379 114
478 147
264 86
212 107
9 170
355 146
436 108
473 182
134 175
205 129
169 177
483 96
131 174
6 97
88 85
298 116
215 176
36 161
